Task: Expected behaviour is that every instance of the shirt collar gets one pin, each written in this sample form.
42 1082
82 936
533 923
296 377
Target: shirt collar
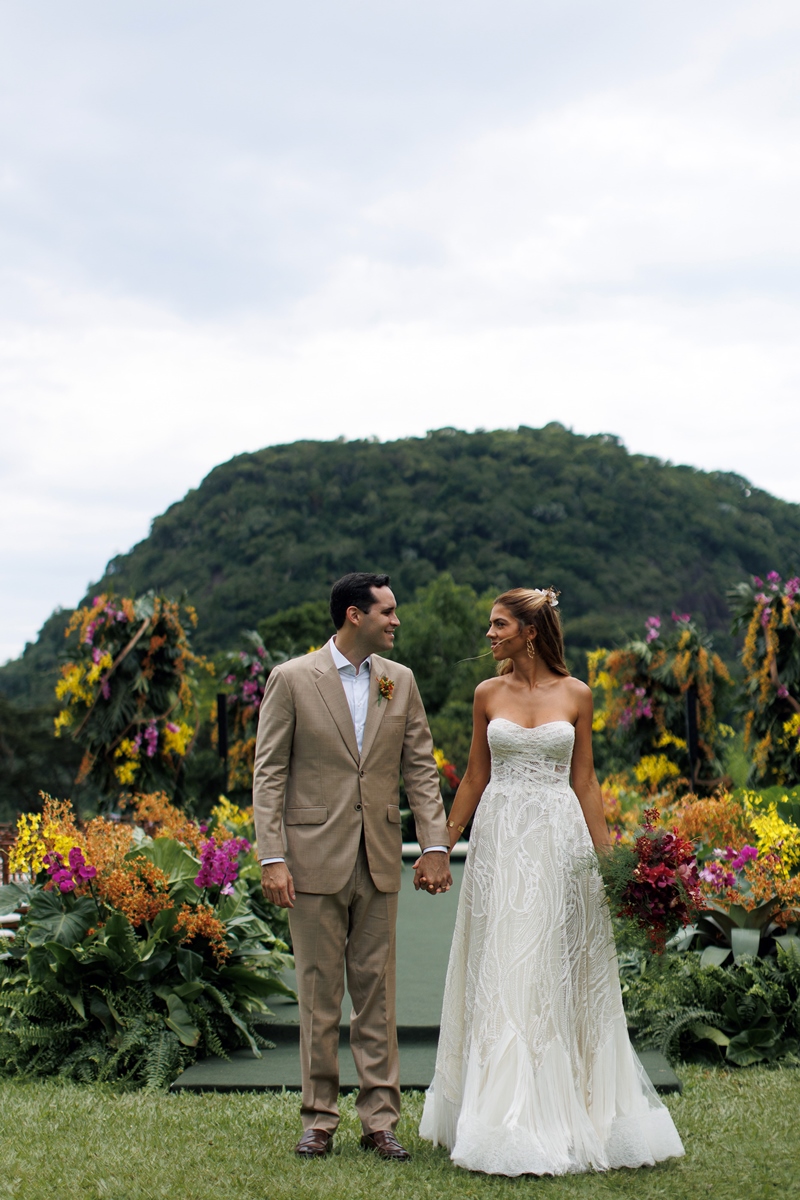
341 663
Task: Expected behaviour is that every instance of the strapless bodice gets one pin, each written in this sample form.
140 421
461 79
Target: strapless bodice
542 753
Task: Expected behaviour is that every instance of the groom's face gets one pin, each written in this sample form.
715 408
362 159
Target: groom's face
377 626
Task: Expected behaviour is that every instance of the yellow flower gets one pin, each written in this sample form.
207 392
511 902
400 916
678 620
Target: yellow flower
652 768
63 718
776 836
28 851
598 721
226 812
669 739
129 752
62 843
439 758
176 740
725 731
126 772
97 669
791 729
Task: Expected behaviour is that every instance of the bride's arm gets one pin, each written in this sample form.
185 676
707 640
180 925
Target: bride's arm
584 779
476 776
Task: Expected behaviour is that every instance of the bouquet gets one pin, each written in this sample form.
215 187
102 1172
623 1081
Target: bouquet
653 886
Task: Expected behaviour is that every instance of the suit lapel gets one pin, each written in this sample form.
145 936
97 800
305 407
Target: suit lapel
330 688
375 711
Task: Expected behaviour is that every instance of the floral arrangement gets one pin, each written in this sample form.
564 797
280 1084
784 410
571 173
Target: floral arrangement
653 886
245 672
385 688
768 612
448 775
148 934
126 691
640 701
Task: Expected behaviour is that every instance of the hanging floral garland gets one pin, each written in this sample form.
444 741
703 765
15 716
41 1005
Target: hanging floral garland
127 691
769 613
641 695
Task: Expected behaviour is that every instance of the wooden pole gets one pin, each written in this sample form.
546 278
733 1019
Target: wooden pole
222 735
691 733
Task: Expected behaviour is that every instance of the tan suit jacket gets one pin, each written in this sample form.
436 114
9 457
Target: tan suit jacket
312 791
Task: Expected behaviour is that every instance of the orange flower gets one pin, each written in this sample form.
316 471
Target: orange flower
201 921
106 842
159 817
137 888
716 820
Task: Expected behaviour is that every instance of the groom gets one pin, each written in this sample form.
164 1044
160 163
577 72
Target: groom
335 729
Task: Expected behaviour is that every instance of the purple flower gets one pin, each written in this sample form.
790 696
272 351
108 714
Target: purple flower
792 587
765 616
172 727
90 630
105 688
757 581
218 864
230 679
715 874
151 739
97 654
746 854
681 618
653 627
79 866
783 692
773 579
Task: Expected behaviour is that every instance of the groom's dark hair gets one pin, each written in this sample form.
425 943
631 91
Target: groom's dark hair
355 588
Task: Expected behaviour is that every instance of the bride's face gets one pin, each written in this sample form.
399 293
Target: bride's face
504 634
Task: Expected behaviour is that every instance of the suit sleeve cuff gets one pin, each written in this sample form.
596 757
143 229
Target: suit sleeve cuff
266 861
444 849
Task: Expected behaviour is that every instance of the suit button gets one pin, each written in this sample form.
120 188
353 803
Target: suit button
357 807
361 773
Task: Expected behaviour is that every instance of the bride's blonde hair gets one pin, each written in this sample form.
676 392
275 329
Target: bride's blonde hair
532 606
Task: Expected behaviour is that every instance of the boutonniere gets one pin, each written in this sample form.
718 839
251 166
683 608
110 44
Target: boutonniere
385 688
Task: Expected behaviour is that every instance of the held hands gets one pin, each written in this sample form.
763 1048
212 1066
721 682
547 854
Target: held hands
432 872
277 884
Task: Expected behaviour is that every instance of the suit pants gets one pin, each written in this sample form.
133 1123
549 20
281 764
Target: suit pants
354 928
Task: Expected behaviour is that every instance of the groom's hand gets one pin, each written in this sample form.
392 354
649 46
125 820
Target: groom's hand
432 872
277 884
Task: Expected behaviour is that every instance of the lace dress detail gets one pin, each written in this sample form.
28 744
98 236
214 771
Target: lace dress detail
535 1072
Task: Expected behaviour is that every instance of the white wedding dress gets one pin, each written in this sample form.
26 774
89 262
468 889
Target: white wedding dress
534 1071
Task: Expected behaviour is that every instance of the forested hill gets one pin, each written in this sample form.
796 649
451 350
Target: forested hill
622 535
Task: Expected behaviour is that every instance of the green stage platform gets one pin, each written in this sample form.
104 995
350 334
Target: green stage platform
424 931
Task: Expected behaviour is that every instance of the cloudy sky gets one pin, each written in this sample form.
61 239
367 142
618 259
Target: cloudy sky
229 225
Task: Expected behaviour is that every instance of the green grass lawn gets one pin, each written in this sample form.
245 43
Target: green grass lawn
741 1131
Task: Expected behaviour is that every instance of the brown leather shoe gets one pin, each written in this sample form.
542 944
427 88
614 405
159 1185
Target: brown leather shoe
385 1145
314 1143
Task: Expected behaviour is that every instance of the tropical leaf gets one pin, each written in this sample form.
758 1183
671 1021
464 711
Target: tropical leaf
50 921
12 895
176 862
180 1022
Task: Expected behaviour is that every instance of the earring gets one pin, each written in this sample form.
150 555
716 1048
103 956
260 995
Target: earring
529 648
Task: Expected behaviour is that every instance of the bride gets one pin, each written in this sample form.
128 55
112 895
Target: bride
534 1070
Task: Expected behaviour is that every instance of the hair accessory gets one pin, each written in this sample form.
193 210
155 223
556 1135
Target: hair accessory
549 593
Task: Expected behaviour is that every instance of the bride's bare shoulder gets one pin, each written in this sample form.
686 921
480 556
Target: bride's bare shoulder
577 687
487 688
579 693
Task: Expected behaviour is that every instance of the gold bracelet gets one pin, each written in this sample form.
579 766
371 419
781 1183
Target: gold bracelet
452 825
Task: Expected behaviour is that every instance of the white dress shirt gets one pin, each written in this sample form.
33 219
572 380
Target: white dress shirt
355 682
